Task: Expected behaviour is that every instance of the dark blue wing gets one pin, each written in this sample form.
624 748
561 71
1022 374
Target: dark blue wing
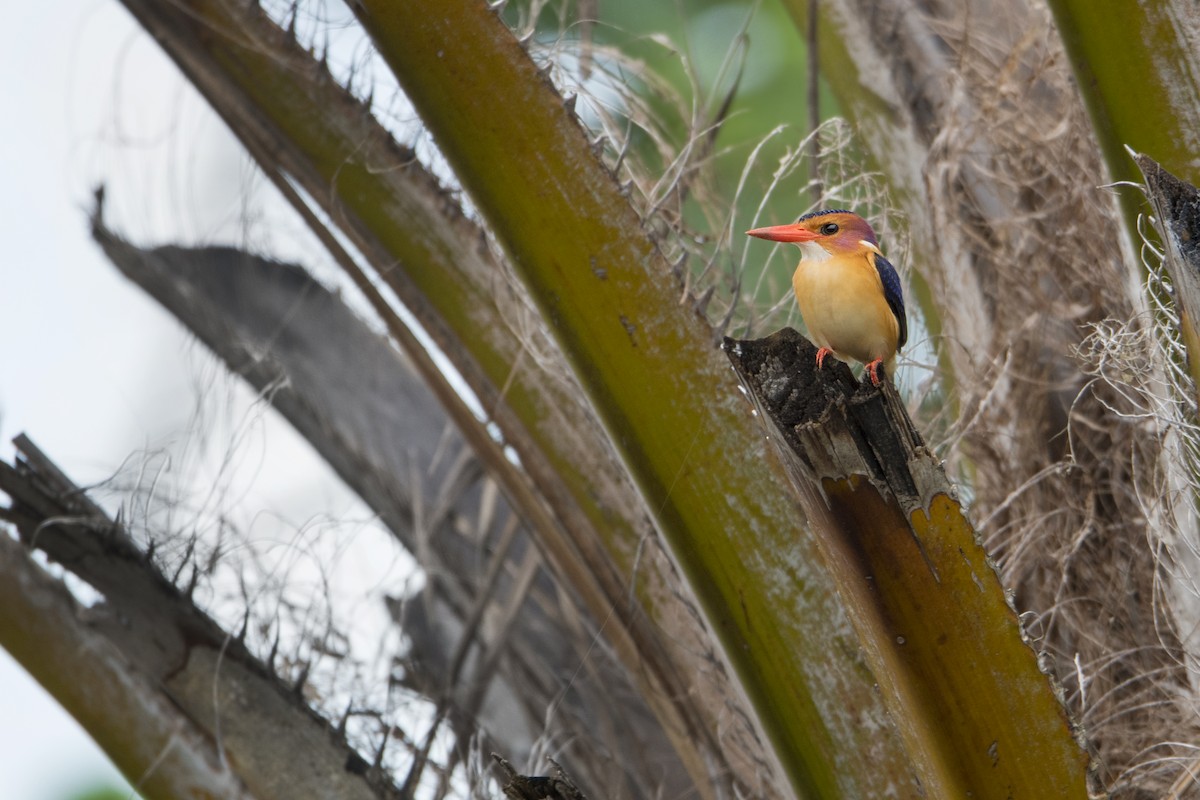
894 294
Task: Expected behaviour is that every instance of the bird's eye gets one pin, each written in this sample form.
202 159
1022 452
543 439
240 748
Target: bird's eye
829 228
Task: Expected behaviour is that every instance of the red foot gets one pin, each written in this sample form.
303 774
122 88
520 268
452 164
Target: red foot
821 354
873 371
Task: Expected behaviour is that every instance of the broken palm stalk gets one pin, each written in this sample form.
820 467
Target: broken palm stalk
979 718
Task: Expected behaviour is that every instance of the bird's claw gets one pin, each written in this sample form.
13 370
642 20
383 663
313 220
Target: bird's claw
873 371
822 353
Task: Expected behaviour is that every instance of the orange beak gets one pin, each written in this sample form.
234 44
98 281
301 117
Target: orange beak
784 233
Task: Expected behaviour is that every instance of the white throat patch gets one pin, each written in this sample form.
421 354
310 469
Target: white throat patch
813 251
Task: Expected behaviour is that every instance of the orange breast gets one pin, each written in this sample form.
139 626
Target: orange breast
842 302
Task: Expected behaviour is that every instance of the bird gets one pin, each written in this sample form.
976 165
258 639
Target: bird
849 295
